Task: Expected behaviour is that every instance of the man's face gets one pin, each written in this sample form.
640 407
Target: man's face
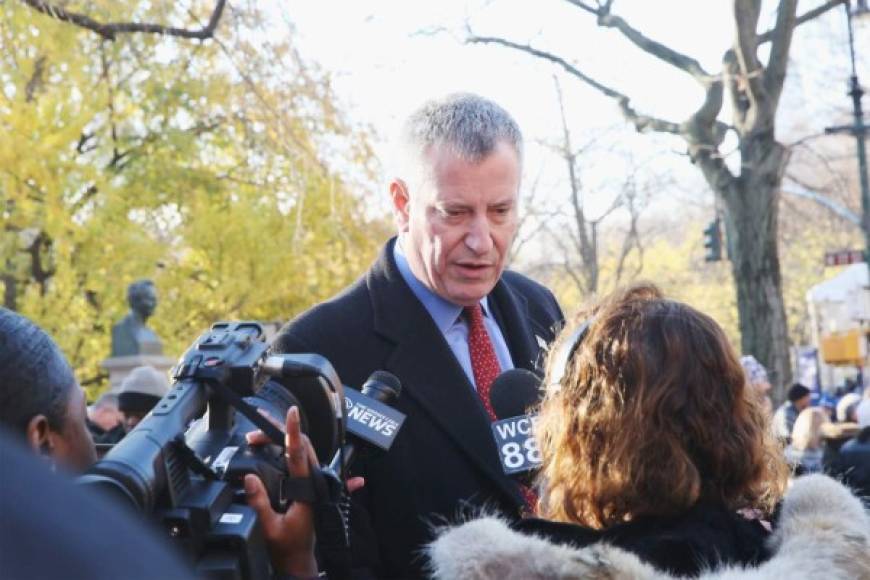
131 419
459 223
106 416
802 403
73 445
144 300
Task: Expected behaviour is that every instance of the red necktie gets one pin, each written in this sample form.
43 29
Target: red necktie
484 363
485 367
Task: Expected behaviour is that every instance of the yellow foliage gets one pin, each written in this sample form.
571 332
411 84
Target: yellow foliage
207 167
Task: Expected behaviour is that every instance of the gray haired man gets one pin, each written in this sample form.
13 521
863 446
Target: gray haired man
439 310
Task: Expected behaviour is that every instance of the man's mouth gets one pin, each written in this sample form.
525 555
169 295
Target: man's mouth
474 267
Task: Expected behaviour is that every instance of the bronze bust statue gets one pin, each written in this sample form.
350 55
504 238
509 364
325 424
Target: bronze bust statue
131 336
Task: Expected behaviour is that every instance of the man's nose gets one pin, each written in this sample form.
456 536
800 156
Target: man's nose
479 235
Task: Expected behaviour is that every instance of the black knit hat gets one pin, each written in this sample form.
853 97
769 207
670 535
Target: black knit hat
797 392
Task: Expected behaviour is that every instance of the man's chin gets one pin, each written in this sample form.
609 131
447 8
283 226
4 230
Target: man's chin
470 295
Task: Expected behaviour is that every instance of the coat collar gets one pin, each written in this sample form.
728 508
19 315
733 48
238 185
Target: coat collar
823 532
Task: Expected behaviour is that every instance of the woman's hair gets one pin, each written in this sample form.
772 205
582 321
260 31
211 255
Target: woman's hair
807 431
652 415
35 378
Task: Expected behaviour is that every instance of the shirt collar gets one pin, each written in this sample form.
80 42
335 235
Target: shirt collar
442 311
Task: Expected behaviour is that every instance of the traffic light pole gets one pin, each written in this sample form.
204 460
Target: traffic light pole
858 129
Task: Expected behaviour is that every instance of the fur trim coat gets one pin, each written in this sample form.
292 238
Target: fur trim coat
823 532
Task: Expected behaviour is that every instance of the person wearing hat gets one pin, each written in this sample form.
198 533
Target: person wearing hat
756 376
786 415
140 392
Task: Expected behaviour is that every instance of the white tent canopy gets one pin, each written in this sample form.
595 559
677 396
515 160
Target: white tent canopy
847 285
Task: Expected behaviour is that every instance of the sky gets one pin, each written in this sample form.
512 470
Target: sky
388 56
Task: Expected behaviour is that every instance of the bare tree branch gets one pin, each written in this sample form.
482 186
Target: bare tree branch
110 30
774 76
632 237
36 79
822 194
749 71
806 17
837 209
584 6
640 122
529 212
703 131
655 48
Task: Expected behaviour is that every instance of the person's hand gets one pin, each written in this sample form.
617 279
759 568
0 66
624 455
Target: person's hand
259 438
290 535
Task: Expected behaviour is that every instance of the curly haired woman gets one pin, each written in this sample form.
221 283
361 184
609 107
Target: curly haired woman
652 447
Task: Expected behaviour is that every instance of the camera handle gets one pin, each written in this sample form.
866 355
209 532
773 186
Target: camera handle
218 378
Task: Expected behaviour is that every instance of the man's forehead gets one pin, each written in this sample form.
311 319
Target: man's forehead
440 167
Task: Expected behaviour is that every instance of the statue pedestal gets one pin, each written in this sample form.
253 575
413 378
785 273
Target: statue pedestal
120 366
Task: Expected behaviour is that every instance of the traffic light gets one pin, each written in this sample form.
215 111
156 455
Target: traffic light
713 242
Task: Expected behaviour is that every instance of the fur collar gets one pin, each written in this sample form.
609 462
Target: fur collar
823 532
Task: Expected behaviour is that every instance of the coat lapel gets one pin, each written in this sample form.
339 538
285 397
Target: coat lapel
430 373
512 313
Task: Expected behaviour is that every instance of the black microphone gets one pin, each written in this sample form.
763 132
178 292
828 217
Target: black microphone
370 416
511 395
514 392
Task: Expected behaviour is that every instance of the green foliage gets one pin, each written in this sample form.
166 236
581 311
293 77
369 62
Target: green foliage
208 167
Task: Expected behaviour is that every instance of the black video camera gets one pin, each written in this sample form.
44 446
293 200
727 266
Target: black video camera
184 464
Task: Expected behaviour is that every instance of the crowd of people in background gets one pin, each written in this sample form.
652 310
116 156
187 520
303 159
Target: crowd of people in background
821 433
114 414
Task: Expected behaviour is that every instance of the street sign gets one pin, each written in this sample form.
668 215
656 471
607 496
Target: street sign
843 257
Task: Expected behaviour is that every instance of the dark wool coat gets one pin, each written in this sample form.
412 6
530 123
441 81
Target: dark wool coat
444 458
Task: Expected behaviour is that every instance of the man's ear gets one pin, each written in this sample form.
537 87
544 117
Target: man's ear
39 435
401 203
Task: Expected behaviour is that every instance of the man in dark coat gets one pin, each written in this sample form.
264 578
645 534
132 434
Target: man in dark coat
438 310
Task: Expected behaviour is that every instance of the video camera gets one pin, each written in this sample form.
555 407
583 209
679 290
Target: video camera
184 464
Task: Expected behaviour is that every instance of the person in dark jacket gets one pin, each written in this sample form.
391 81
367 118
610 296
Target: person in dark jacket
852 463
105 420
653 442
52 528
440 311
785 416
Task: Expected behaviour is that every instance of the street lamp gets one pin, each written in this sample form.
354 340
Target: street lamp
858 128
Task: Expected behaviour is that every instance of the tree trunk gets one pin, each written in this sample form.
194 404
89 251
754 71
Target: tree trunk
752 217
10 289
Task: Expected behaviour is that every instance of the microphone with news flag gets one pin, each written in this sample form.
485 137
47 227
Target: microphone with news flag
370 416
512 394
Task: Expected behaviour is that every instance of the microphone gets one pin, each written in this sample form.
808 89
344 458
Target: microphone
511 395
514 392
370 416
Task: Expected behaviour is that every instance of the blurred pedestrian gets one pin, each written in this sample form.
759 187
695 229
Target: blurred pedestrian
852 464
786 415
105 420
847 407
141 390
805 452
756 376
